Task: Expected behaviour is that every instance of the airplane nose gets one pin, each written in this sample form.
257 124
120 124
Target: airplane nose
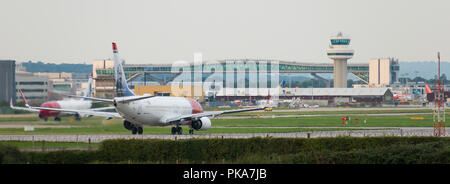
196 107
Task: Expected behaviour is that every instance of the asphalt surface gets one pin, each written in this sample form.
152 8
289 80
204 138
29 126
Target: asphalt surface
370 132
39 126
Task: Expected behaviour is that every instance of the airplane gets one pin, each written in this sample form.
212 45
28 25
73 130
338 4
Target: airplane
282 84
49 109
137 111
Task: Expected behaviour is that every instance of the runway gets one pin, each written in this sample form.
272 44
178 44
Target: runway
39 126
370 132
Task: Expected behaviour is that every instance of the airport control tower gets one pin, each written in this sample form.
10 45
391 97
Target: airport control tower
340 52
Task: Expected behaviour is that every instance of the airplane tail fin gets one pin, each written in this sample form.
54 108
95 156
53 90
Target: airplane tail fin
119 76
282 84
428 89
23 98
88 91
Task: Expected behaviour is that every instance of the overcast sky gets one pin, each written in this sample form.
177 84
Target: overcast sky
162 31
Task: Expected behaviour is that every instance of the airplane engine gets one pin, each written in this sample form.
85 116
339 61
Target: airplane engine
203 123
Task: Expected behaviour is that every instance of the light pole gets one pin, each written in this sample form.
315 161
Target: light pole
312 93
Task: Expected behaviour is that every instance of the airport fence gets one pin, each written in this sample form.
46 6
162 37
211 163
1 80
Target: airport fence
395 132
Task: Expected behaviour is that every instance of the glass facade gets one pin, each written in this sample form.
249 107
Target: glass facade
239 67
62 86
340 54
163 74
358 68
34 90
340 41
395 67
32 83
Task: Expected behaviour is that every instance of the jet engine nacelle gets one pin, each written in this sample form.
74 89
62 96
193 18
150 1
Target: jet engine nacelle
203 123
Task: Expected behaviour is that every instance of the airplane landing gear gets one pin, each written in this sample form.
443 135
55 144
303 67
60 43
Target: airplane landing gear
137 130
127 125
77 117
177 130
191 131
43 118
134 129
140 130
57 119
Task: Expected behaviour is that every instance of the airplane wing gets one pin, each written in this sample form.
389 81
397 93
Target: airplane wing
213 113
84 112
93 98
117 99
22 108
102 108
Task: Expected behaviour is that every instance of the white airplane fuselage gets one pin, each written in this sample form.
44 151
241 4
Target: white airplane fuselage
154 111
64 104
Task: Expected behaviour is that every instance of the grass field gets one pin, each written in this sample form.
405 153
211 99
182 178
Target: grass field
331 121
98 125
338 111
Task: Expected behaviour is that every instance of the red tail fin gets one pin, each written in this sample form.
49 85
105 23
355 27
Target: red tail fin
114 46
428 89
23 98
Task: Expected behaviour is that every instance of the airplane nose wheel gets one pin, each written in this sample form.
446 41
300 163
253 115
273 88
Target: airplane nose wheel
191 131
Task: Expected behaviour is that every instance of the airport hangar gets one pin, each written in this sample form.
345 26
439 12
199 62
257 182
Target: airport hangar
155 79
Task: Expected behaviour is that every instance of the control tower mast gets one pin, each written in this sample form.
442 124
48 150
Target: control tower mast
340 52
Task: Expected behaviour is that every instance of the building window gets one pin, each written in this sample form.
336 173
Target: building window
340 54
340 41
31 83
34 90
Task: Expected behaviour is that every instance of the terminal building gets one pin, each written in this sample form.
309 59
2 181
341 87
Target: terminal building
39 87
162 74
7 80
35 88
103 73
383 72
317 96
156 78
58 81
